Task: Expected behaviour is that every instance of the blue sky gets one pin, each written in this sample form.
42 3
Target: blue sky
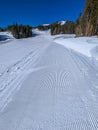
35 12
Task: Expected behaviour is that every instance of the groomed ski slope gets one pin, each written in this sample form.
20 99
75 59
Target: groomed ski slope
47 87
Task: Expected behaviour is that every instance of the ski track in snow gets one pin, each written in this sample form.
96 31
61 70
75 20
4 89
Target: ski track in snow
56 91
12 77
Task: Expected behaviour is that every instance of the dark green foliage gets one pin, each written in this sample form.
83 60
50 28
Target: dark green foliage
42 27
20 31
67 28
58 28
87 24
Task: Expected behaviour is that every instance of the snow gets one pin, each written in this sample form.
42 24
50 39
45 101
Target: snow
8 34
62 22
37 32
87 46
5 37
48 86
45 24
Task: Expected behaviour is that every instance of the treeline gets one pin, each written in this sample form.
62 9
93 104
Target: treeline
87 23
43 27
20 31
57 28
67 28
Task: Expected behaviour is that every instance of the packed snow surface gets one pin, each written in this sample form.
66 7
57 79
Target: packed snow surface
87 46
49 86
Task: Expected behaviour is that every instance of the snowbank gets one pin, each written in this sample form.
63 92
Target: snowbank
85 45
5 37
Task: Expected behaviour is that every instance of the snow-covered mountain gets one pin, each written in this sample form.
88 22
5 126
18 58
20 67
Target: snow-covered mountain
62 22
49 83
46 24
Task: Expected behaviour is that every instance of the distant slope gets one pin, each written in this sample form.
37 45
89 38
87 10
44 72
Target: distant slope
59 27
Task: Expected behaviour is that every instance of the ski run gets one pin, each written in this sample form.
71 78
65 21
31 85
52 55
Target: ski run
49 83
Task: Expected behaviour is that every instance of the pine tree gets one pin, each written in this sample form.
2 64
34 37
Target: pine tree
88 23
20 31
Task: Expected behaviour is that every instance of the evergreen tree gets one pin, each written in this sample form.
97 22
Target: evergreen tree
20 31
87 24
67 28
